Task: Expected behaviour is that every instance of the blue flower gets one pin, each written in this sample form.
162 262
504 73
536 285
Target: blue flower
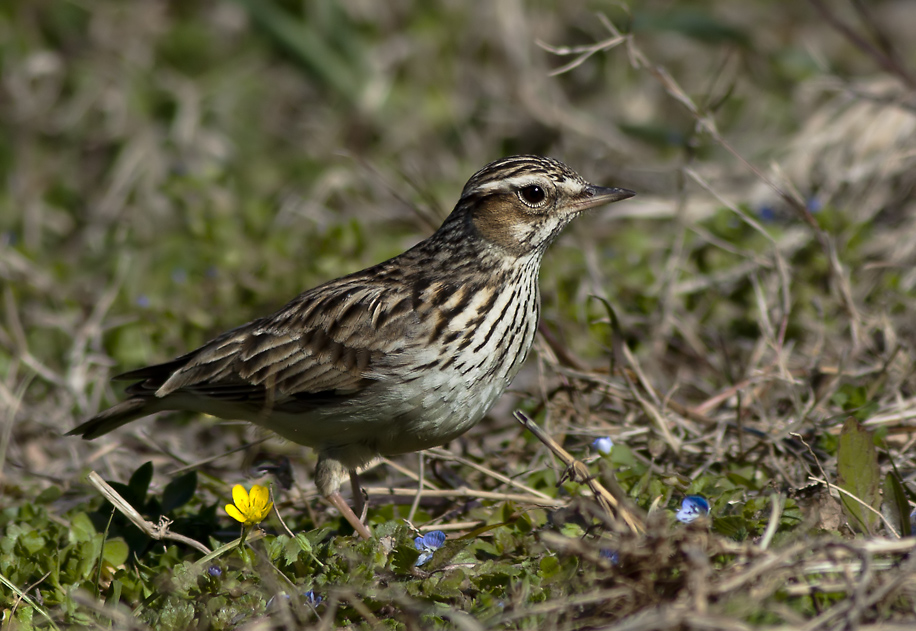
312 598
692 507
814 205
766 214
427 544
603 444
214 571
611 555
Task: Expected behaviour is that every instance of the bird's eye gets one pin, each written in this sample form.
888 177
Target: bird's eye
532 195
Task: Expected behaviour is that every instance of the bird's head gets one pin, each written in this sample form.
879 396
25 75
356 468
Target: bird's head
521 203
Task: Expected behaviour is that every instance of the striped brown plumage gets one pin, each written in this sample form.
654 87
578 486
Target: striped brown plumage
399 357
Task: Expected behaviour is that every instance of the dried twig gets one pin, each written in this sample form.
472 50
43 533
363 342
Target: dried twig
442 454
464 492
617 505
154 531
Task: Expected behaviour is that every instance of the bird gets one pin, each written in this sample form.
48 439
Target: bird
402 356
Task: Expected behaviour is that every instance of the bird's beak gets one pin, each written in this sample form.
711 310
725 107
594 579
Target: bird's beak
594 196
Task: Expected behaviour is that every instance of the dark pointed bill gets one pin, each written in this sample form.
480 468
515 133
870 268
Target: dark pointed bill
594 196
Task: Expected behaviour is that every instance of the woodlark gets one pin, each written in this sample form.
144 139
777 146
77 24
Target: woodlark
402 356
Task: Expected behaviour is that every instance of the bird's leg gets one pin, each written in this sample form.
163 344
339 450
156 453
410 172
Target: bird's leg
328 476
337 500
360 505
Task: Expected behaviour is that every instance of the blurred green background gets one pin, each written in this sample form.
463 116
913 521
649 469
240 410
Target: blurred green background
173 169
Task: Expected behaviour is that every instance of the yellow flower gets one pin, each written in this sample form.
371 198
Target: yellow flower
249 509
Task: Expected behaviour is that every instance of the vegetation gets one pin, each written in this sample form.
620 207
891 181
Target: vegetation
744 336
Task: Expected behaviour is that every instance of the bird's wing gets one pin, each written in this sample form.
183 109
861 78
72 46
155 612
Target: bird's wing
327 344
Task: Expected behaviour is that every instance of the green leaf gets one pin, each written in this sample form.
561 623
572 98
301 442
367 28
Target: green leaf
446 555
24 617
451 583
114 594
33 542
552 570
898 507
50 494
85 556
858 473
287 548
179 491
622 456
291 550
306 546
139 482
733 526
404 559
115 552
854 400
81 528
549 567
572 530
276 546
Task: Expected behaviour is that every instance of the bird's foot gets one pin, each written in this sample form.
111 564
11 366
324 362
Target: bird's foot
337 500
360 498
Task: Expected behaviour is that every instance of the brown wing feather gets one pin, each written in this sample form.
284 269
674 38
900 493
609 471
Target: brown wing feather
316 344
322 348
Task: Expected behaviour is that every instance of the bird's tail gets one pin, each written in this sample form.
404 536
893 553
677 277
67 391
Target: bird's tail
114 417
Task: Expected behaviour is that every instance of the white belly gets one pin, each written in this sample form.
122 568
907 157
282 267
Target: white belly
450 391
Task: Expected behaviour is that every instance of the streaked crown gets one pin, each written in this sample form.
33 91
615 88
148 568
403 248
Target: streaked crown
520 171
